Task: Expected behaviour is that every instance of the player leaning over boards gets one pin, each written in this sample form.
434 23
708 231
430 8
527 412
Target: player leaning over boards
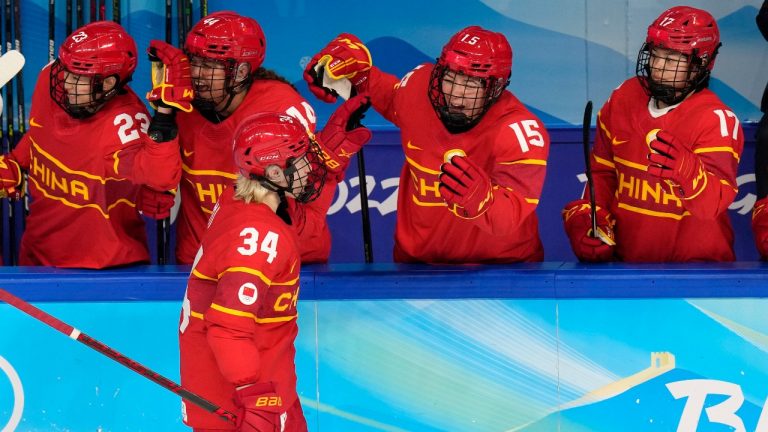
475 156
226 51
238 322
86 151
666 154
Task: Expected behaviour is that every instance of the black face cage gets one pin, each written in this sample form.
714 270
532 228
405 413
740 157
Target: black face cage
207 81
456 122
96 96
304 187
671 93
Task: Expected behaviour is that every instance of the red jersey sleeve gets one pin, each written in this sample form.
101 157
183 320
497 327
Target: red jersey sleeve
132 154
254 289
718 145
382 88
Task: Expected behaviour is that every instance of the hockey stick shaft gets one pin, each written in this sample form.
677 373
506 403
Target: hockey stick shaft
586 125
92 16
203 8
51 30
133 365
364 212
116 11
11 112
79 12
22 109
69 18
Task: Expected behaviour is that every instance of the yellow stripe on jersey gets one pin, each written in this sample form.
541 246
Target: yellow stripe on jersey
719 150
653 212
532 200
197 315
73 205
630 164
260 275
240 313
427 204
526 162
209 172
199 275
414 164
605 162
117 161
71 171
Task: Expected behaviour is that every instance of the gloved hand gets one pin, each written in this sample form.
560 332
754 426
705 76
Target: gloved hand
260 408
343 58
466 188
672 161
171 78
577 218
344 135
155 204
10 179
760 226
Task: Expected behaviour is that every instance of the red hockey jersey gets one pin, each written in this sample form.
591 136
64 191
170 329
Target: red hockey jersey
83 177
510 143
238 321
653 224
209 168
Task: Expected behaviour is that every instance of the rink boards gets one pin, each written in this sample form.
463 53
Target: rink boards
552 346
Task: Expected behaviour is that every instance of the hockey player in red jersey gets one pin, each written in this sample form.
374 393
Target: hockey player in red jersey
666 154
238 321
86 151
760 211
475 156
226 51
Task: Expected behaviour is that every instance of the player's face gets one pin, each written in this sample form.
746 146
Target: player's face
463 94
78 89
209 78
669 68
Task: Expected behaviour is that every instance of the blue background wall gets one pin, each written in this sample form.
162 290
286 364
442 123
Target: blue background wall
565 52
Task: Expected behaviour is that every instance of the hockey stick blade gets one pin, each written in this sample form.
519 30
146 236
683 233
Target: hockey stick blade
10 64
133 365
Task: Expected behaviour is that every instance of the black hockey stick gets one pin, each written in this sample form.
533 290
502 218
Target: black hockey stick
163 226
69 18
363 185
10 112
133 365
92 17
586 125
51 30
180 22
102 10
203 8
21 106
116 11
169 22
79 13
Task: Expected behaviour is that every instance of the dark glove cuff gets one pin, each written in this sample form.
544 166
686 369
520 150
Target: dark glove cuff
163 127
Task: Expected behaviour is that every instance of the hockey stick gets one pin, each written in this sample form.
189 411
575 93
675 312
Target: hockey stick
133 365
11 113
69 17
163 226
116 11
92 17
79 13
51 30
102 10
586 125
21 108
203 8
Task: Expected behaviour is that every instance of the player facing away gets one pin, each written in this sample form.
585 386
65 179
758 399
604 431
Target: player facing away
86 151
760 211
238 321
226 52
475 157
665 156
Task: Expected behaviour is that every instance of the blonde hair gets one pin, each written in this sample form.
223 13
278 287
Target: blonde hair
249 190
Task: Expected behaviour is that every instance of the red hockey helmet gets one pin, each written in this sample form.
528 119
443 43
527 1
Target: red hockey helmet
94 52
228 36
274 139
689 31
473 52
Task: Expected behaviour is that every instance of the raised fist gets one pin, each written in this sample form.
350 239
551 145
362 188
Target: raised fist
344 58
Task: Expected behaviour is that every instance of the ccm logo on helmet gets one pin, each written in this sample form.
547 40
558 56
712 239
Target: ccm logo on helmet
79 37
269 157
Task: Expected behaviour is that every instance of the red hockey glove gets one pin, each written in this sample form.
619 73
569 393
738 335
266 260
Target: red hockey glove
760 226
343 58
10 179
672 161
260 408
577 218
154 204
171 79
465 187
344 135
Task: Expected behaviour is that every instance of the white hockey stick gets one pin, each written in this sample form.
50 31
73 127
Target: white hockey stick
10 64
